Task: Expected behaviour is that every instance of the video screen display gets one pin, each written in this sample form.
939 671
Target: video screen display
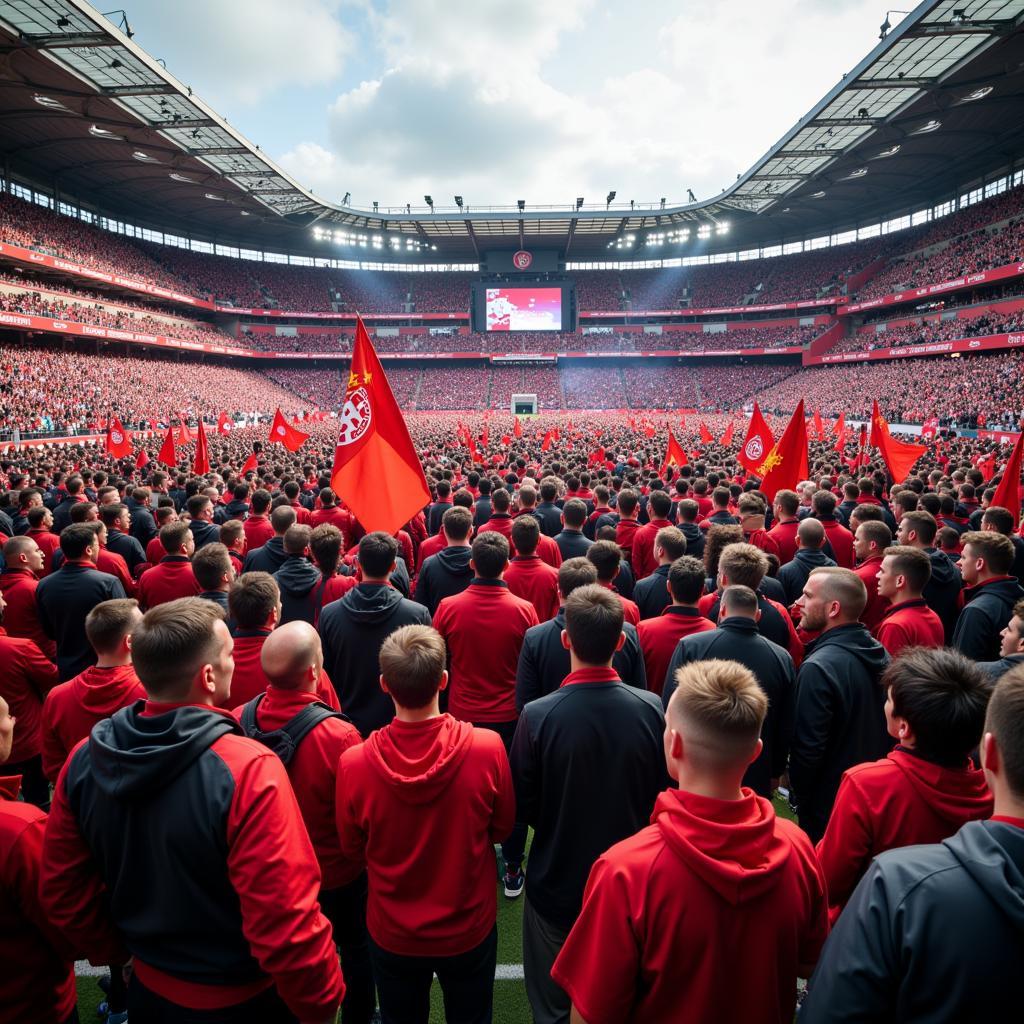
523 309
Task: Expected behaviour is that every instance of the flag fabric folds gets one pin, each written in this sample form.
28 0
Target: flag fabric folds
201 462
899 456
1008 492
118 441
284 433
142 459
674 455
166 454
250 464
786 464
727 436
759 440
224 424
705 434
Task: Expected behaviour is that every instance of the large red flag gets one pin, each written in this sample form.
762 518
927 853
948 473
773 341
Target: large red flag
184 434
1008 492
282 431
675 454
142 459
786 464
250 464
166 454
119 441
899 456
517 431
819 427
705 434
201 462
727 436
546 443
224 424
759 440
376 470
839 429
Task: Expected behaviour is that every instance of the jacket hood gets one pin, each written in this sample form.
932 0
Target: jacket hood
102 690
854 641
953 794
730 845
1008 590
813 557
236 508
200 528
419 759
992 854
944 572
371 602
691 531
297 576
133 754
456 561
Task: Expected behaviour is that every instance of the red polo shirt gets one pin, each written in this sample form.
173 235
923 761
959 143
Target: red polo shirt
500 522
169 579
625 531
910 624
20 617
114 565
535 581
249 680
548 551
484 628
26 677
784 535
660 636
877 605
258 531
644 562
841 540
48 543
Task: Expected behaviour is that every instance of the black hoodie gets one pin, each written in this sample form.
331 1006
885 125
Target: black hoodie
932 934
301 588
987 609
942 592
352 630
268 558
443 575
695 539
793 575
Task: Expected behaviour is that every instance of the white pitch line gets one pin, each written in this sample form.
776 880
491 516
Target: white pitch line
503 972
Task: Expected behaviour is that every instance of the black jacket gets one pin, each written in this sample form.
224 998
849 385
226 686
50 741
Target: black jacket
549 515
482 511
572 544
352 630
435 513
721 518
624 583
1017 569
63 600
932 935
651 593
942 593
268 558
301 587
544 662
220 598
737 639
840 719
695 539
997 669
793 575
986 611
203 532
62 513
125 545
234 509
587 765
772 625
143 527
443 575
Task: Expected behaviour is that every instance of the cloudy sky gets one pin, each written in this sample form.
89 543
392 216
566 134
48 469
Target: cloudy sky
494 100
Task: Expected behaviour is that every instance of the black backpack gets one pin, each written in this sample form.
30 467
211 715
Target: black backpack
285 741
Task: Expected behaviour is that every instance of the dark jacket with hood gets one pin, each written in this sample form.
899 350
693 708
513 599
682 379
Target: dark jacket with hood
695 539
352 630
549 515
996 669
301 587
179 840
268 558
234 509
651 593
931 935
840 719
204 532
443 575
793 575
987 609
942 592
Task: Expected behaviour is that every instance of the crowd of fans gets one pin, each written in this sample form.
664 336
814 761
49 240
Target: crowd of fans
922 333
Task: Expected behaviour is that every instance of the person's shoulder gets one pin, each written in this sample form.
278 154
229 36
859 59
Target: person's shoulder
537 634
15 817
883 772
634 855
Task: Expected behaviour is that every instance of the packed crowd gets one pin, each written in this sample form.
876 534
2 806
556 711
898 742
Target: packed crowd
643 667
924 332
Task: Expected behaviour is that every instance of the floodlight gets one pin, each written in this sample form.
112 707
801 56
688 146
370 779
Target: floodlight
458 202
429 201
521 203
375 205
579 202
609 199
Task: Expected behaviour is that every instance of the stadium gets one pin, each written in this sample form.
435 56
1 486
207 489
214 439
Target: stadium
801 396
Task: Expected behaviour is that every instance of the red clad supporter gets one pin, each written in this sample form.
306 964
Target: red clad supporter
628 525
784 511
39 976
256 942
839 537
751 511
547 550
643 560
172 576
303 516
500 520
331 512
660 636
257 524
431 546
432 897
111 563
24 564
927 787
607 557
527 575
869 544
715 857
908 622
71 709
40 520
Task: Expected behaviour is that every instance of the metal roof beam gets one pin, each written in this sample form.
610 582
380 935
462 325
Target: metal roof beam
899 82
217 151
846 122
572 234
163 89
60 41
472 237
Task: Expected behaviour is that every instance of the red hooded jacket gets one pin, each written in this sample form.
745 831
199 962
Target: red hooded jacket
728 869
449 785
20 617
660 636
26 676
877 606
169 579
258 531
784 535
644 562
532 579
901 800
909 624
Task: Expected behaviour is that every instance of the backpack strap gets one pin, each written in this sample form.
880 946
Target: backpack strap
285 741
248 717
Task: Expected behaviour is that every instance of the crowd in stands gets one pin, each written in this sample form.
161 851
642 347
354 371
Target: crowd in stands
922 333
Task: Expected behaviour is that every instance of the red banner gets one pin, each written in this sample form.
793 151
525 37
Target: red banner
932 348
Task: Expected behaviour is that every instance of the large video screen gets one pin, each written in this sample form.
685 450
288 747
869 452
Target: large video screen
523 309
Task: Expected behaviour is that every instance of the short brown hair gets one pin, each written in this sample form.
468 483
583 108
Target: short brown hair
490 555
172 536
686 579
210 563
593 620
251 599
296 539
788 501
412 661
744 564
172 642
1005 720
325 544
923 524
880 534
457 522
606 555
525 534
231 531
912 563
109 622
844 586
672 542
995 548
574 573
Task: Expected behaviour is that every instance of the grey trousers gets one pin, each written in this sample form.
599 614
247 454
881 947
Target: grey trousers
542 942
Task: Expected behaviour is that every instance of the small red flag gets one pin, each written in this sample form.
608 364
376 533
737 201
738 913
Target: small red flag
727 436
250 464
819 427
376 469
119 441
674 455
201 462
705 434
517 430
142 459
758 441
546 443
166 454
224 424
899 456
786 464
1008 492
281 430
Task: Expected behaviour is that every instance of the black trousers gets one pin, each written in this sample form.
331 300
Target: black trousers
514 848
146 1005
34 785
345 908
467 984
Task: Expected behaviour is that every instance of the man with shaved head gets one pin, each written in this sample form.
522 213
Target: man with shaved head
840 705
810 539
292 660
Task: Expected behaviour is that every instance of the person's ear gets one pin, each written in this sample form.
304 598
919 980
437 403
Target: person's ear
989 752
758 747
564 637
384 685
757 615
675 745
620 641
443 685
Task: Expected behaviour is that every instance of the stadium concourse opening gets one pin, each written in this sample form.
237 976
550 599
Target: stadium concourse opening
420 613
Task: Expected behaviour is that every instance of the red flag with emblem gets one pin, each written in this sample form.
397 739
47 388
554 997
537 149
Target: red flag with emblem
786 464
284 433
201 462
899 456
166 454
930 428
375 470
224 424
758 441
118 441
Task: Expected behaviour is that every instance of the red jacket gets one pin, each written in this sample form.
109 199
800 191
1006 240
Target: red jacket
500 522
336 516
20 617
114 565
450 786
155 551
625 531
312 771
644 562
548 551
337 587
909 624
660 636
630 609
48 543
877 606
729 869
168 580
39 975
784 535
26 677
901 800
763 540
71 709
258 531
535 581
302 514
249 680
484 628
431 546
841 540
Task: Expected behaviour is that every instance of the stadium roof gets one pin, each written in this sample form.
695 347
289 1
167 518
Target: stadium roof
937 105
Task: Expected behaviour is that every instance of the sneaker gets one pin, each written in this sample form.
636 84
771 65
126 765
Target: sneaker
514 882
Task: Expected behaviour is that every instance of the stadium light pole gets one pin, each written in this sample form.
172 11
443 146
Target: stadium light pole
521 203
609 199
886 27
579 202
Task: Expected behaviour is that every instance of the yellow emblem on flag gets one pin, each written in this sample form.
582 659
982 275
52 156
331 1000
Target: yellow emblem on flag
773 460
353 380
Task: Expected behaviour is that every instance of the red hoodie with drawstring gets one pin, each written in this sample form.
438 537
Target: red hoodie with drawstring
671 914
901 800
450 786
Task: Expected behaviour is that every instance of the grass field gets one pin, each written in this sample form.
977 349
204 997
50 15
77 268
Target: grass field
510 1003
